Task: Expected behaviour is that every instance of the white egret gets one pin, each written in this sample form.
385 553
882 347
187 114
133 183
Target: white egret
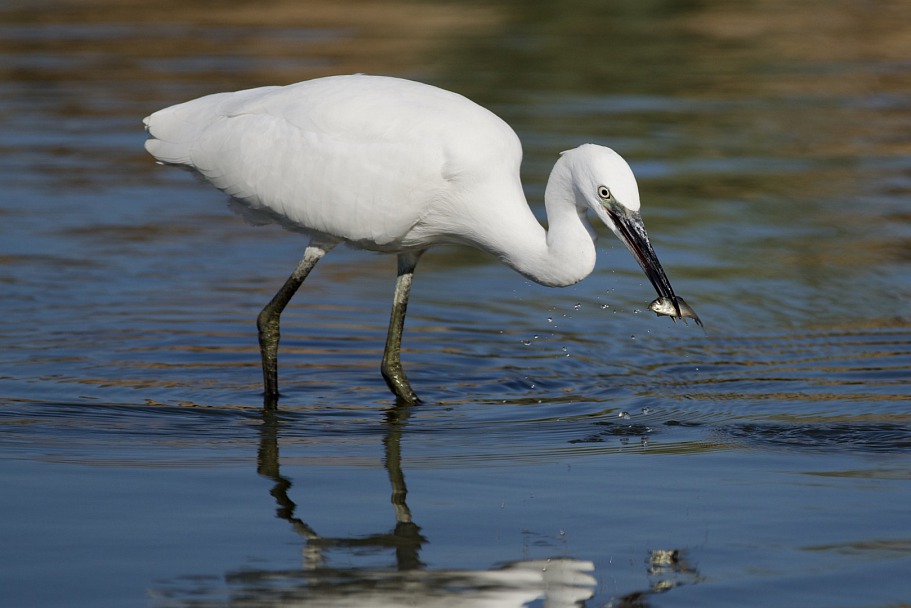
396 166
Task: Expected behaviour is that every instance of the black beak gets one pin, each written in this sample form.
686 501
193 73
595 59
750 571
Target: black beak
631 231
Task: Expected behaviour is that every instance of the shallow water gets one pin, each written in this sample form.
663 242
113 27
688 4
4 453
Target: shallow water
573 449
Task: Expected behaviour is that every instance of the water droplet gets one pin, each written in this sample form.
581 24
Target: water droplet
646 410
550 319
605 306
526 342
578 306
536 336
624 415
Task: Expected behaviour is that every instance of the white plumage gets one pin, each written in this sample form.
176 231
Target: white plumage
396 166
359 158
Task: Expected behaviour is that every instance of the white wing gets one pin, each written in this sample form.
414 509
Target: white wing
359 158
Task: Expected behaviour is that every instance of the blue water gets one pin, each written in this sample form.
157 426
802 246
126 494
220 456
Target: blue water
573 449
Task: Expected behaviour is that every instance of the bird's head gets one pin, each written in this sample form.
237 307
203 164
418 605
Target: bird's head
604 183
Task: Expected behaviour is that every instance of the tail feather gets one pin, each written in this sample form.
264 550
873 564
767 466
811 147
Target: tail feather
173 131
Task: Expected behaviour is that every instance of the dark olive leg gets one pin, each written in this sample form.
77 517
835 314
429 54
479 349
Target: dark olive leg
392 355
268 320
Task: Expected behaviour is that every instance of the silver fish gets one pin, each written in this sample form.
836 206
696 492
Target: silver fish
674 307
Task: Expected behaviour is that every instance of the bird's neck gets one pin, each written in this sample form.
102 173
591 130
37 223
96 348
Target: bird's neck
562 255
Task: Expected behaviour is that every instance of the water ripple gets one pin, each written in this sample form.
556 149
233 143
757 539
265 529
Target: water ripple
814 390
841 436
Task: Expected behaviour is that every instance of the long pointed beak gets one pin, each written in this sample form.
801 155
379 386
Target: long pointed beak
630 228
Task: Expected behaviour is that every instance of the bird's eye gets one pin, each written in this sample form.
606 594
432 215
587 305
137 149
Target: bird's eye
604 192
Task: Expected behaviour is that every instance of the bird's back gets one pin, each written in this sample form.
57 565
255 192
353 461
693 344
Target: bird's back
359 158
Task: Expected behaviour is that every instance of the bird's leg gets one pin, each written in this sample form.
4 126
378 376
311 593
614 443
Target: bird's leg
268 320
392 355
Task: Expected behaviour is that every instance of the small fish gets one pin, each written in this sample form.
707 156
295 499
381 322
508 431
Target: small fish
674 307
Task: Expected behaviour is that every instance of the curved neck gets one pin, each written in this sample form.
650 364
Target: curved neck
562 255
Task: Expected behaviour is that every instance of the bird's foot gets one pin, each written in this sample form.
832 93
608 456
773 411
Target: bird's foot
399 385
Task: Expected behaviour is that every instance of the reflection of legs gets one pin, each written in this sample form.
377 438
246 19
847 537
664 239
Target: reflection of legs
392 355
267 465
407 534
405 538
268 320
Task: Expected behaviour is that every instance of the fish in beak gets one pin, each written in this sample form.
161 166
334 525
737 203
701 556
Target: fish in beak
630 229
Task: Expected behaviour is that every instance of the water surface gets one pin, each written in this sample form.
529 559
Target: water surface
573 449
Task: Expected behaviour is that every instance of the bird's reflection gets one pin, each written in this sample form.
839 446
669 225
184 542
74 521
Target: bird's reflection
562 583
405 537
557 583
406 531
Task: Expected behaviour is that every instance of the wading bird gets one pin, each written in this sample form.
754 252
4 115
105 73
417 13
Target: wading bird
396 166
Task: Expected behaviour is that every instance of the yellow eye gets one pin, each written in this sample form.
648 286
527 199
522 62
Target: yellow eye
604 192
